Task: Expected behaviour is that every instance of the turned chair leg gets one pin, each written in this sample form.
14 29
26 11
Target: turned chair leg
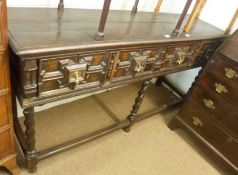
31 156
134 9
100 34
133 114
61 5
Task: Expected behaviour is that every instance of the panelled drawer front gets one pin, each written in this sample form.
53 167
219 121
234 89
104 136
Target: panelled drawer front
59 74
222 68
72 72
199 121
220 86
217 109
137 62
3 111
5 143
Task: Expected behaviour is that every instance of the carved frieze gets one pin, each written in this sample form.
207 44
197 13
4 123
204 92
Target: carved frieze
47 76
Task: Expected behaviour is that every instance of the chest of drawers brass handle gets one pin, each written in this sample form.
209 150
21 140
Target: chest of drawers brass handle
230 73
209 103
220 88
197 121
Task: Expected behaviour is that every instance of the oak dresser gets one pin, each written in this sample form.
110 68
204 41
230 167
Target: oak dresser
55 56
7 139
210 112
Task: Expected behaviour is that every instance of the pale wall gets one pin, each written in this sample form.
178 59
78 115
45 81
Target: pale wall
216 12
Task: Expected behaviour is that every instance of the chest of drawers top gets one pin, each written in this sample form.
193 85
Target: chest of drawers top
229 48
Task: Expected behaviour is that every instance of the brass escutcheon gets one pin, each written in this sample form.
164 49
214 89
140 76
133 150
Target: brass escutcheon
220 88
230 73
197 121
209 103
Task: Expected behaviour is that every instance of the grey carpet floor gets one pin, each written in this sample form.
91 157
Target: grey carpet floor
150 148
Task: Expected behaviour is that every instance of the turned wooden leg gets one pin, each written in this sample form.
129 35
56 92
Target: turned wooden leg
31 156
133 115
100 34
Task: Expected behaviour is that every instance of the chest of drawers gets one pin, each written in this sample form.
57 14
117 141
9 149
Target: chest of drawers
7 140
210 110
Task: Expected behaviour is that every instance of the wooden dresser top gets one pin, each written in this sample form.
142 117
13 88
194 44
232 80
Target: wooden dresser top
230 47
39 30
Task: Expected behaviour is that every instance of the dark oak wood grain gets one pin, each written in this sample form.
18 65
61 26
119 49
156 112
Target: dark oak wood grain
210 110
79 26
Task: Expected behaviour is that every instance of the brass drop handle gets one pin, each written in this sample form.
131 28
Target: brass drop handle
220 88
138 68
197 121
209 103
181 57
77 78
230 73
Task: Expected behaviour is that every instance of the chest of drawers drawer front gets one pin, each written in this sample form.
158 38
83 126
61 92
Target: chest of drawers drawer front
222 68
220 86
2 71
199 121
3 112
6 148
217 109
